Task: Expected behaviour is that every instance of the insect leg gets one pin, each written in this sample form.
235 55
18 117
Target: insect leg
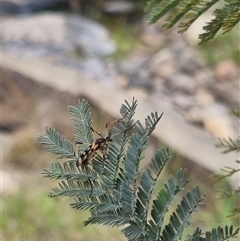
95 131
114 121
125 130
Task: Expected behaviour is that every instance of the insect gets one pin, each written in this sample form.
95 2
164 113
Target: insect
100 144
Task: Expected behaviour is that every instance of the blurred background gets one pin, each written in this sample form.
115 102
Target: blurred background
55 52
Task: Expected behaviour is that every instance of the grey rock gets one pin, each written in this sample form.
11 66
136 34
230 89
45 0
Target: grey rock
189 62
119 7
9 7
162 63
227 70
183 101
55 33
137 73
30 6
141 79
228 92
182 83
215 118
90 37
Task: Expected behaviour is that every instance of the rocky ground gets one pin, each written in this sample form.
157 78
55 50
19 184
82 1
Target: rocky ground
49 60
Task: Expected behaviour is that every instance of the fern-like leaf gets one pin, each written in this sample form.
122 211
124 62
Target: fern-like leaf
110 220
164 199
55 143
137 144
216 234
82 121
179 220
225 19
186 12
116 149
65 172
147 184
229 145
69 188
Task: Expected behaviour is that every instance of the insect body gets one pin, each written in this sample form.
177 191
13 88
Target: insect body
99 144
